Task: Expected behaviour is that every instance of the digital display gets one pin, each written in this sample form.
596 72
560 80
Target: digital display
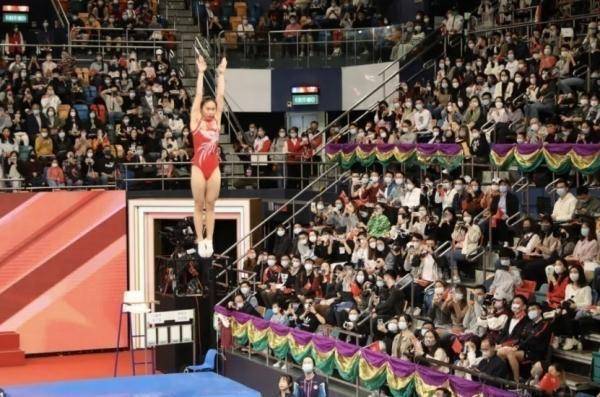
303 100
13 17
305 90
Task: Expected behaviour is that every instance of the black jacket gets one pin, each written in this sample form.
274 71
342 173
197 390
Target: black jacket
493 366
393 303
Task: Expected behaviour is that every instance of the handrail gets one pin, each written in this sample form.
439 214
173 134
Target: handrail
280 209
549 188
62 14
364 98
345 30
478 374
519 218
531 24
229 114
319 194
428 37
442 247
519 183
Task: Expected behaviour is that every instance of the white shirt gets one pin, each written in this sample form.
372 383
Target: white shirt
243 29
582 297
411 198
422 120
564 208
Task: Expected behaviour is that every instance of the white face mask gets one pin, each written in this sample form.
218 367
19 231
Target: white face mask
402 325
280 232
245 290
458 296
392 327
308 267
360 278
515 307
439 290
271 262
312 238
387 180
297 230
533 315
285 262
353 317
373 245
574 277
307 368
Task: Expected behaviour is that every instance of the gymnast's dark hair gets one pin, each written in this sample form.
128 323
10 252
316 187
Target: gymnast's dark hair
207 99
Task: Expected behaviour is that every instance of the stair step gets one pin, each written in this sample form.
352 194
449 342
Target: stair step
582 357
179 12
10 358
188 28
176 5
224 138
9 341
188 36
593 338
577 382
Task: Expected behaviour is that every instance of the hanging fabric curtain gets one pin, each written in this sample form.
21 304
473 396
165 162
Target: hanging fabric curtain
448 156
373 369
559 157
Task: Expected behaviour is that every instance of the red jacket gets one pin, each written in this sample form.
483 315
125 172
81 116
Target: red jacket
556 292
294 148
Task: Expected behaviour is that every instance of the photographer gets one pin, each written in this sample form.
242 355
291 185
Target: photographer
309 319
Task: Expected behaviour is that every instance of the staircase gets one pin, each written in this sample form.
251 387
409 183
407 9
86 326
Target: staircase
10 353
183 20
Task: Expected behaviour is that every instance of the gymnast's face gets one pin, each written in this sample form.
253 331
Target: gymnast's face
209 109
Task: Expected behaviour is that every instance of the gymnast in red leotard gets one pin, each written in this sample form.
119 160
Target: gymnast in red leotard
205 122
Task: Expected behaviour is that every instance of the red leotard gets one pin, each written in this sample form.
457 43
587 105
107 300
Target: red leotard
206 148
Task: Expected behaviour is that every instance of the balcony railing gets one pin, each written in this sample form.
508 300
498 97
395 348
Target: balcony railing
316 47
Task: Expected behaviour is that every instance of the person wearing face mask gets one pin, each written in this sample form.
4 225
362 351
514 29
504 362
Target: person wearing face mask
558 279
533 265
430 347
304 247
503 204
239 304
455 306
587 247
413 196
44 147
506 278
379 224
578 296
281 242
35 120
15 41
587 205
310 384
532 344
403 343
543 102
490 363
55 175
422 119
515 326
565 205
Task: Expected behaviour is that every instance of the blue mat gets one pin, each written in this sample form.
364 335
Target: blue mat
207 384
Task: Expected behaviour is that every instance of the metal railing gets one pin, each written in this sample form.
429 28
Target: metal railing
334 47
210 79
291 218
63 19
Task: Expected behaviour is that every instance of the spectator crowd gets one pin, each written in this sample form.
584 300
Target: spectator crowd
391 264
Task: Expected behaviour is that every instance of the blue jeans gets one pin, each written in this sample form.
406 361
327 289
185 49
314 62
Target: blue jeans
535 109
453 257
567 85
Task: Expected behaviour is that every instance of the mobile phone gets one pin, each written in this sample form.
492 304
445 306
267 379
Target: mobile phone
313 206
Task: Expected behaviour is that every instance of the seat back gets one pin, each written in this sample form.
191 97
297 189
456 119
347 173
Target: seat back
210 358
527 289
